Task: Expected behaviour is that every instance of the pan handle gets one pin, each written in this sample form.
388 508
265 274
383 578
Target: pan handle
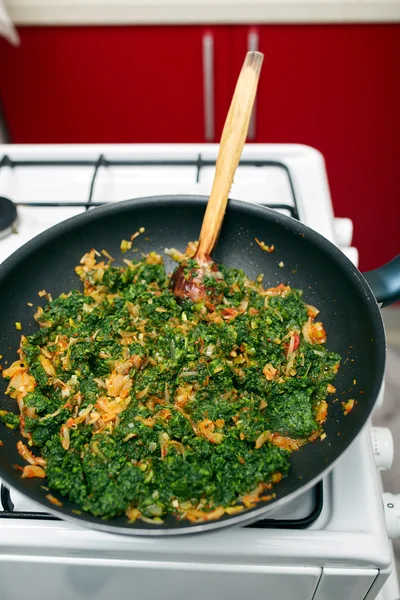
385 282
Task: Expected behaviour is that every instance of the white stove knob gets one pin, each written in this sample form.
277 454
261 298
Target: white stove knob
391 503
343 231
382 445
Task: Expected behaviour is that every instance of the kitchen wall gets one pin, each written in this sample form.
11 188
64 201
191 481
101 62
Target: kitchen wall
334 87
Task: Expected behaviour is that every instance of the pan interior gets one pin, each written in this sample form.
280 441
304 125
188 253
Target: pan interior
329 281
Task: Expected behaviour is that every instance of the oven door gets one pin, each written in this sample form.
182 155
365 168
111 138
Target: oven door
50 578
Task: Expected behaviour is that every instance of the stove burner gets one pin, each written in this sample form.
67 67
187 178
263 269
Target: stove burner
8 216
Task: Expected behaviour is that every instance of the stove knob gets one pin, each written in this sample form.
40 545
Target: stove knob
343 231
391 503
382 445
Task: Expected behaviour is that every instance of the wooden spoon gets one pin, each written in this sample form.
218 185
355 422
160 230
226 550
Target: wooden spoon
189 282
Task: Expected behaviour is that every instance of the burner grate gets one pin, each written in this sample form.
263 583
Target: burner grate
301 523
103 162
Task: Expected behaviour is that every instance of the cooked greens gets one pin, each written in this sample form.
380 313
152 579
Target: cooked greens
141 405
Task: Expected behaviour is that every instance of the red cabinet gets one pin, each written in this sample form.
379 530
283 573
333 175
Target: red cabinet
333 87
336 88
114 84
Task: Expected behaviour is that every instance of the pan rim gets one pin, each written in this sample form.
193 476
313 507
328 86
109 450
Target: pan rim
265 213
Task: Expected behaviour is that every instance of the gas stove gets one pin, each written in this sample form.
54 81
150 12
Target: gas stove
329 543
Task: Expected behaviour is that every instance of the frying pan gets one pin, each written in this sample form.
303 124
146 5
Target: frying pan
349 312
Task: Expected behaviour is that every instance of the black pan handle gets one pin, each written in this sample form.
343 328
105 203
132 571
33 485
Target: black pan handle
385 282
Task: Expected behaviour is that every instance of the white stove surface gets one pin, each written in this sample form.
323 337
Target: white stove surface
345 549
263 185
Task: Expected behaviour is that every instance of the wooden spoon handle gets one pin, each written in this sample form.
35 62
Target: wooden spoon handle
232 141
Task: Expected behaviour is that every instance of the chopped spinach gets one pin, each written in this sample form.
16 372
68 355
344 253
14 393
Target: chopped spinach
146 406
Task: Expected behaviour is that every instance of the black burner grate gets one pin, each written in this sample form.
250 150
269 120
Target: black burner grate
300 523
103 162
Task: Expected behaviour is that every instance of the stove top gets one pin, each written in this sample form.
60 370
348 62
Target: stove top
44 190
297 514
338 525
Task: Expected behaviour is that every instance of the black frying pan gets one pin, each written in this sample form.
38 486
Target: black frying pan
348 308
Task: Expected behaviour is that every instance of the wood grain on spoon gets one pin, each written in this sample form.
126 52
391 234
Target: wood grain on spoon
189 283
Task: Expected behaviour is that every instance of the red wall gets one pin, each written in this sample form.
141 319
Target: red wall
333 87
